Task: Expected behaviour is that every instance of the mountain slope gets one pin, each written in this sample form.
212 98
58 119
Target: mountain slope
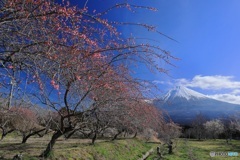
183 104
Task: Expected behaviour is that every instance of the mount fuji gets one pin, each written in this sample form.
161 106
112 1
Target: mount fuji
183 104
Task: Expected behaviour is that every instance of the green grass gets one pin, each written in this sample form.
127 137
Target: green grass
75 149
125 149
200 150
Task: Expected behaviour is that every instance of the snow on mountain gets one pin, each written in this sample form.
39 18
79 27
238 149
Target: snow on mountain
183 92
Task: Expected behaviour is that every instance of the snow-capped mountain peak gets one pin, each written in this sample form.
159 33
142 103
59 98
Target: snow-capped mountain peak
183 104
183 92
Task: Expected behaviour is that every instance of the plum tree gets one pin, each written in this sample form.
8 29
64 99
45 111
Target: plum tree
64 57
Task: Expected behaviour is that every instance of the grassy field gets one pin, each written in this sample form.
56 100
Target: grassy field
74 149
123 149
200 150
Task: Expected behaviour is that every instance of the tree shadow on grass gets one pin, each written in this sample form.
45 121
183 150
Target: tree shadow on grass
8 151
235 147
154 142
13 146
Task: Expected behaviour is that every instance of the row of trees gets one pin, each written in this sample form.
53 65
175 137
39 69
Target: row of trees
20 119
218 128
30 122
75 64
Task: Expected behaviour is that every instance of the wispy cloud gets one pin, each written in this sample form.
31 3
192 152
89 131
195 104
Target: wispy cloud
163 82
216 82
226 97
236 91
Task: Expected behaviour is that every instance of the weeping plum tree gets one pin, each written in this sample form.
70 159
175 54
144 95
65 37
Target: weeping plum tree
25 121
120 106
61 56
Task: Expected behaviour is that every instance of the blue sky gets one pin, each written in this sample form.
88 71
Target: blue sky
208 35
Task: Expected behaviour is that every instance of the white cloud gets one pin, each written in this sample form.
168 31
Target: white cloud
162 82
226 97
216 82
236 91
182 81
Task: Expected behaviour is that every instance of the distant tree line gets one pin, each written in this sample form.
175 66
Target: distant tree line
201 128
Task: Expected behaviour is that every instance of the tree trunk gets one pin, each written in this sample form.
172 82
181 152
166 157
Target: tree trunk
125 134
159 152
135 135
4 133
49 148
199 136
25 137
170 147
70 134
116 135
94 138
